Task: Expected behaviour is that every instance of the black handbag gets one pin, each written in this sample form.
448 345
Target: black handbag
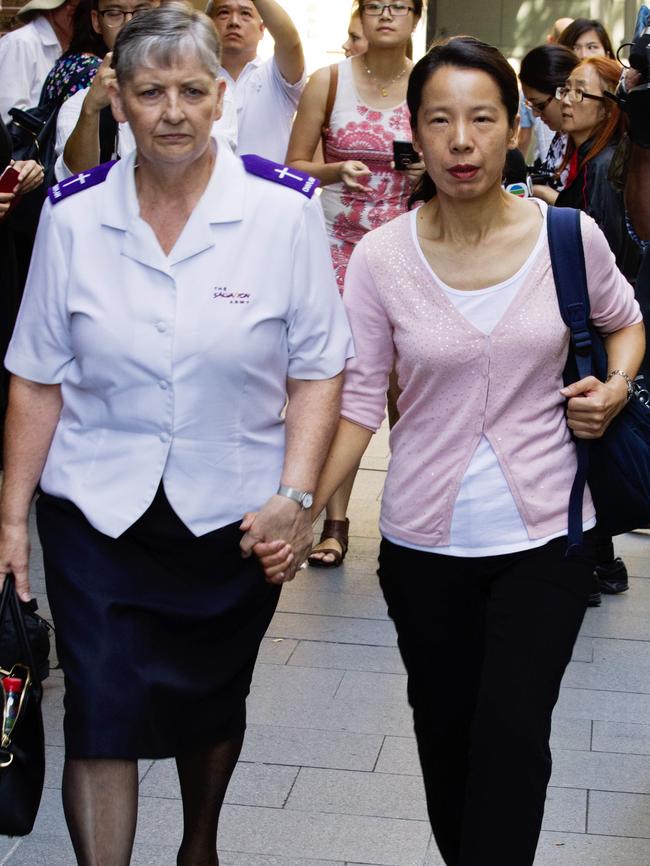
22 749
617 466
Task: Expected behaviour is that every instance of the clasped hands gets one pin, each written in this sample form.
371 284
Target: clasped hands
280 535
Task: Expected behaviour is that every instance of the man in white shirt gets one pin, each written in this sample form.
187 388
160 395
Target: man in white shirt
28 54
266 92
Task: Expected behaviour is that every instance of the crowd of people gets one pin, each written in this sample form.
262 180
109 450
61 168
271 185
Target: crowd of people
237 274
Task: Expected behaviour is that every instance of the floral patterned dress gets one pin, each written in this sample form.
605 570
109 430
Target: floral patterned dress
70 73
365 134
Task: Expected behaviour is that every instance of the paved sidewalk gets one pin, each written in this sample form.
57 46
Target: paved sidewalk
329 775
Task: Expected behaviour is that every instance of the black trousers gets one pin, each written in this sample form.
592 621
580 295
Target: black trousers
485 643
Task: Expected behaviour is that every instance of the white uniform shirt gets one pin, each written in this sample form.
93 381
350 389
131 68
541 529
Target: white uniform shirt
175 366
26 57
266 105
225 127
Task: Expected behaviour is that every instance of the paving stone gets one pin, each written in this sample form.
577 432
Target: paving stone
252 784
565 810
276 651
583 651
603 706
574 769
618 665
575 849
338 656
399 755
325 603
359 839
615 814
308 684
333 628
433 856
614 620
344 793
229 859
378 688
622 738
311 748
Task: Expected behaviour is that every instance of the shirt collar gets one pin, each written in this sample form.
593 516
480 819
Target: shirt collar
45 31
221 202
250 66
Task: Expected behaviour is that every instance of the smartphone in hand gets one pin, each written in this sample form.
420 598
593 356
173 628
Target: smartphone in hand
8 181
404 155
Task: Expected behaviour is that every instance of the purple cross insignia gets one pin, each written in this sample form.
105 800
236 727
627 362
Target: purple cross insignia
282 174
83 180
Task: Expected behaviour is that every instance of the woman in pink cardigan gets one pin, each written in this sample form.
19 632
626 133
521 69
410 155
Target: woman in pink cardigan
460 295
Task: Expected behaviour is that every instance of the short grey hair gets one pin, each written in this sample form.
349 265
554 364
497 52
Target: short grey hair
162 37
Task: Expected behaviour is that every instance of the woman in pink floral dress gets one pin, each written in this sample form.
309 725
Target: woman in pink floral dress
361 188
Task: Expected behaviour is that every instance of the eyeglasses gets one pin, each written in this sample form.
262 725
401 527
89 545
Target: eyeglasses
575 94
397 10
115 17
538 107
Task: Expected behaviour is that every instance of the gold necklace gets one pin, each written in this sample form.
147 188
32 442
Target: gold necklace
384 88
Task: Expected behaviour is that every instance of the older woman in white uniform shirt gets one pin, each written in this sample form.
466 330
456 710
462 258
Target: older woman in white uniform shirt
174 304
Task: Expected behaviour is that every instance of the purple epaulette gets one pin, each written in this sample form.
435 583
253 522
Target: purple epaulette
278 173
83 180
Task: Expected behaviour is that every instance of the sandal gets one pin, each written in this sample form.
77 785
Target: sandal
338 530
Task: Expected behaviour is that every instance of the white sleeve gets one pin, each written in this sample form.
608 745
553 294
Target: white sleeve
65 124
16 73
319 336
40 349
226 126
291 92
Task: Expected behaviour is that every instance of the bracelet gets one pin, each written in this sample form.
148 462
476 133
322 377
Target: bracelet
628 381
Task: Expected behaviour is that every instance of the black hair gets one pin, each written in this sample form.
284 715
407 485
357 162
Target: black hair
462 52
570 35
547 67
84 38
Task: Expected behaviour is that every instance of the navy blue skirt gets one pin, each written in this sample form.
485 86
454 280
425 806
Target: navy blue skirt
157 631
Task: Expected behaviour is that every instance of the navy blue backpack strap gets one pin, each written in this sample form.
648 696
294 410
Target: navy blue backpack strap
569 272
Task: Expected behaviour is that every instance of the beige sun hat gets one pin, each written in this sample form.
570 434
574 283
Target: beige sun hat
35 6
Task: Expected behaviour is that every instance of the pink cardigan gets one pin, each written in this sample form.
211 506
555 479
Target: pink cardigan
459 384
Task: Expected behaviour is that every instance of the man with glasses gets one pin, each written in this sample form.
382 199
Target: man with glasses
86 133
266 93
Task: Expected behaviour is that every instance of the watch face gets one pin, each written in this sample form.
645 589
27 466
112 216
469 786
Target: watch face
307 500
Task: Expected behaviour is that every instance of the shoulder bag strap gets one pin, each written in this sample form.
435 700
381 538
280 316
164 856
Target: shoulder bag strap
331 99
569 272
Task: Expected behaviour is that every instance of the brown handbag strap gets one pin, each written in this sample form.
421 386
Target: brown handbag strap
331 98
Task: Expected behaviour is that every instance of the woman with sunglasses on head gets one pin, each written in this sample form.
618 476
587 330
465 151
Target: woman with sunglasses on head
595 125
587 37
542 71
361 188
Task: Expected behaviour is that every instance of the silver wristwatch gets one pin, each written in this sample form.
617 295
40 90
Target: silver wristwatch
302 497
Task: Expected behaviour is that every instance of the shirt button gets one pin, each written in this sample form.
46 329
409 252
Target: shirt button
164 437
163 384
161 327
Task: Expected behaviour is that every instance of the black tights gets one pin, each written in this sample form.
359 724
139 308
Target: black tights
100 801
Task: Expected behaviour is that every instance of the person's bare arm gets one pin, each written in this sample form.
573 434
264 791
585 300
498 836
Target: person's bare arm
311 417
288 47
82 147
306 134
32 417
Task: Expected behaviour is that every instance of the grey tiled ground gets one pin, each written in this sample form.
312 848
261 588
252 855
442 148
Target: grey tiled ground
329 773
